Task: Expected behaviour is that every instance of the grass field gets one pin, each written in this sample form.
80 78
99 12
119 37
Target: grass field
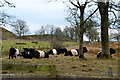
28 44
71 66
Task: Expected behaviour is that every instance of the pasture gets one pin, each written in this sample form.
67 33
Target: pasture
42 45
67 66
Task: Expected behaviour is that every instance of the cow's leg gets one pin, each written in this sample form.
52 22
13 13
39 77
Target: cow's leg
9 56
12 56
15 55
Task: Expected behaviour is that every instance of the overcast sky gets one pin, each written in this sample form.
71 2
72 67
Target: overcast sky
39 12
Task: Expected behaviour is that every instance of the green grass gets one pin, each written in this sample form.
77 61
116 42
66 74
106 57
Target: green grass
65 65
44 45
8 44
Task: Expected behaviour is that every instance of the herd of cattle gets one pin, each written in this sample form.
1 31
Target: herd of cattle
33 53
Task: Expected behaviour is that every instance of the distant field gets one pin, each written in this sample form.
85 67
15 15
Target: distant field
28 44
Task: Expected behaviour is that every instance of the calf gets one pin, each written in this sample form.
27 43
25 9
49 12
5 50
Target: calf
112 51
57 51
13 53
75 52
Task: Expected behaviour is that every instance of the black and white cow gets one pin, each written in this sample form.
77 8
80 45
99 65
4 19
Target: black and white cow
14 53
57 51
32 53
112 51
41 54
75 52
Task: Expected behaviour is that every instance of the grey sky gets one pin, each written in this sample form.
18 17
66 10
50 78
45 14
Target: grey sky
39 12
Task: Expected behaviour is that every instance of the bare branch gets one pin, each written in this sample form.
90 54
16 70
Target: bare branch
78 2
9 4
90 15
85 3
113 13
116 9
74 4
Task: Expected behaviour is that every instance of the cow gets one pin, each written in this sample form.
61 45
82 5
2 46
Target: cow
57 51
32 53
112 51
28 53
75 52
14 53
41 54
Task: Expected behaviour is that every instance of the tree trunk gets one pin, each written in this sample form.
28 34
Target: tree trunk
103 8
81 33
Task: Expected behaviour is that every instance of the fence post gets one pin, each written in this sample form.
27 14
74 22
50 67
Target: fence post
20 49
53 72
39 47
1 52
1 48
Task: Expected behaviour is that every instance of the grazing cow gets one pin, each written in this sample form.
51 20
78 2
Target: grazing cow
14 53
75 52
57 51
41 54
112 51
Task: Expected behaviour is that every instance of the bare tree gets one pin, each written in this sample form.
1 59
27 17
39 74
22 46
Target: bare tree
52 31
104 10
79 20
58 34
66 32
20 27
57 42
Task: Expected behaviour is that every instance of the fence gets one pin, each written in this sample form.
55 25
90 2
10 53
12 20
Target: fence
25 67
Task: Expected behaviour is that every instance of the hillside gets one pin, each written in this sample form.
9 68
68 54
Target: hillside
45 37
7 34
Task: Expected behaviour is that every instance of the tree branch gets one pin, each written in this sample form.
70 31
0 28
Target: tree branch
113 13
115 9
85 4
73 4
78 3
9 4
90 16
